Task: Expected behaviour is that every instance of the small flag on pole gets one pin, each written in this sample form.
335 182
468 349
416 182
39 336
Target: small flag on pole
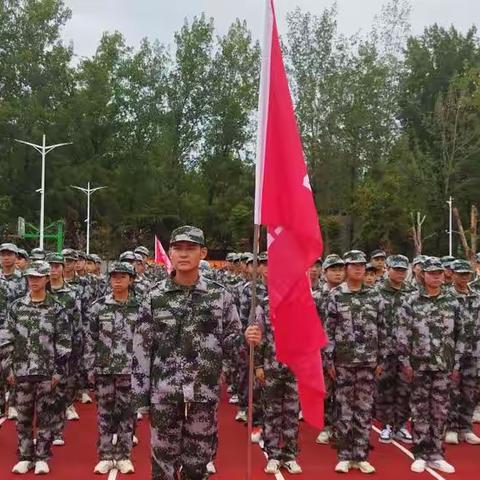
161 256
284 203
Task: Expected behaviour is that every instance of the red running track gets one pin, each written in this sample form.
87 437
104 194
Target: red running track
75 460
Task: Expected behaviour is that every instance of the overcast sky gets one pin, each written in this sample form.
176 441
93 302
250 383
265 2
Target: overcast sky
159 19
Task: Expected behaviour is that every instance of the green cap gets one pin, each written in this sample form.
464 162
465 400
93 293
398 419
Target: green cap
55 258
461 266
38 268
142 251
127 256
9 247
332 260
122 267
69 254
398 261
432 264
187 234
354 256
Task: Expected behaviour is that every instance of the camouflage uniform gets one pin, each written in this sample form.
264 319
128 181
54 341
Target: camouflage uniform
464 395
355 328
280 397
108 354
393 389
3 372
178 358
430 342
36 341
16 285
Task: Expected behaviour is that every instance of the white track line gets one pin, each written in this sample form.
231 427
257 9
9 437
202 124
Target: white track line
409 454
3 420
112 474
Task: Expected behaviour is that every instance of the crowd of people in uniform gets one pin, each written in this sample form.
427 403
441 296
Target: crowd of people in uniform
403 349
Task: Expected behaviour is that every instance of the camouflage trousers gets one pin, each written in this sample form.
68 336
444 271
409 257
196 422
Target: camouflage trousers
65 395
182 436
329 404
243 391
354 399
3 392
463 400
115 415
392 406
34 400
429 403
281 409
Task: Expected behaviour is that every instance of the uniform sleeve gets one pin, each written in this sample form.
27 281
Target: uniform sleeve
7 338
463 316
330 326
383 340
404 333
232 328
63 342
77 326
91 334
143 345
259 352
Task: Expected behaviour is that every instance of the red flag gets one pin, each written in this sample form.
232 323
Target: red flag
284 203
161 256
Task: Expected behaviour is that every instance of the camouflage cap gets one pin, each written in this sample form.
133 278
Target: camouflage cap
398 261
204 265
89 257
139 257
246 257
432 264
96 258
332 260
419 259
354 256
142 251
127 256
263 257
477 257
461 266
319 261
378 254
81 255
370 267
9 247
447 261
37 254
230 257
23 253
188 233
38 268
55 258
69 254
122 267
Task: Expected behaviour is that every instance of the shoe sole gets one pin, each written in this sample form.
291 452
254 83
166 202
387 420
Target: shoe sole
382 440
403 440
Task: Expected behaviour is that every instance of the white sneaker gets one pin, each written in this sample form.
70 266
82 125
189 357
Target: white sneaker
273 467
256 435
451 438
233 399
300 415
343 466
139 416
442 466
58 442
71 413
476 415
364 467
230 389
211 468
41 468
12 413
135 440
241 416
86 398
470 437
104 466
324 437
403 435
293 467
386 434
22 467
418 466
125 466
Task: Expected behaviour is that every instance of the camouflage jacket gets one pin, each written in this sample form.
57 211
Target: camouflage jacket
355 326
3 302
245 300
109 334
16 285
429 335
141 285
178 354
393 299
68 297
320 297
36 338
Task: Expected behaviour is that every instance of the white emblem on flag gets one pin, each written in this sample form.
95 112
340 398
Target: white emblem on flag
306 183
271 237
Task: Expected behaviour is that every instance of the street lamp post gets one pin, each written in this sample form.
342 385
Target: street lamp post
450 226
43 150
88 192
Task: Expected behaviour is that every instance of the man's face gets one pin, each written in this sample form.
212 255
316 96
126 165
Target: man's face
315 271
461 280
56 270
37 284
378 263
139 267
448 275
355 271
434 279
70 265
397 275
8 258
263 270
80 265
120 281
370 278
91 266
22 263
186 256
335 274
